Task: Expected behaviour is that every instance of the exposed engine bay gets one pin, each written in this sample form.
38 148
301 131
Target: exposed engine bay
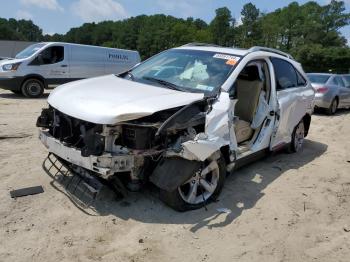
129 150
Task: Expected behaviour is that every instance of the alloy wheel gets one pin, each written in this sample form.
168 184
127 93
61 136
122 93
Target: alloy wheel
299 136
202 185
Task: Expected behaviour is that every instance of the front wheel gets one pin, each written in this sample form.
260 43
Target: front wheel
298 136
33 88
204 186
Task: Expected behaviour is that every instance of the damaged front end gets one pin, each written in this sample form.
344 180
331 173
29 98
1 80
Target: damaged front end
131 152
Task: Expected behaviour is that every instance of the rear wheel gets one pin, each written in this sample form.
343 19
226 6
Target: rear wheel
298 137
333 107
33 88
204 186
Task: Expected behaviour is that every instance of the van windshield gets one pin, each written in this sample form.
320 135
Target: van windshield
186 70
29 51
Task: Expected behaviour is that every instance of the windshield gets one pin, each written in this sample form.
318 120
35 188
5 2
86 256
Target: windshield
30 50
318 79
186 70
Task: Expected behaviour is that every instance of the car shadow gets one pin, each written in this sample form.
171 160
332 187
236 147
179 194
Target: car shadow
242 190
21 97
322 112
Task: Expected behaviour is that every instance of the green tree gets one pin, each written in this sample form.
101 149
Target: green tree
222 27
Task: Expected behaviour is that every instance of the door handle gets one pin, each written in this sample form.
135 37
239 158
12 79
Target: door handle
63 65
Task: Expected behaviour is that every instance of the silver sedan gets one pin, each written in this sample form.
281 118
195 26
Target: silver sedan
332 91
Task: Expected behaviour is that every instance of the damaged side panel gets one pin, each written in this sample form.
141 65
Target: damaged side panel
218 132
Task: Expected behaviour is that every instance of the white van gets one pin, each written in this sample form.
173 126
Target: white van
49 64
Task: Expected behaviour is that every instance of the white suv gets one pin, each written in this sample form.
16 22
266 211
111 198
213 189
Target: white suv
182 119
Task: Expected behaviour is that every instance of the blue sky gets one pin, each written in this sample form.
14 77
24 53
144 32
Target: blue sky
58 16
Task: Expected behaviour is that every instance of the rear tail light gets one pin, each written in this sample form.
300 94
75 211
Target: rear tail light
322 90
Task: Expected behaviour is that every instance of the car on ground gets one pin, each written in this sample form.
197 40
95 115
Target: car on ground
182 119
332 91
46 65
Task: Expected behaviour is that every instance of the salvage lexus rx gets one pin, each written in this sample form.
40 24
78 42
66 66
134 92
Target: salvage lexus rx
182 119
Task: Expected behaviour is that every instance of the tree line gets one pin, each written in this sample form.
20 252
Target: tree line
310 32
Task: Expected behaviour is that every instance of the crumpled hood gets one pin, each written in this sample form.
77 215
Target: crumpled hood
110 99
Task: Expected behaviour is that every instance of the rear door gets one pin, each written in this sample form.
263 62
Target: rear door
52 64
294 99
344 92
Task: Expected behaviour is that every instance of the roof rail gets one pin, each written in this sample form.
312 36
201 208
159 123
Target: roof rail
201 44
271 50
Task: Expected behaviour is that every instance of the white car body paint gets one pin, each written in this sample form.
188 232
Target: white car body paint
217 132
110 99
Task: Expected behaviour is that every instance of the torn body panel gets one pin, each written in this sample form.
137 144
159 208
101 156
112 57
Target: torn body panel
218 132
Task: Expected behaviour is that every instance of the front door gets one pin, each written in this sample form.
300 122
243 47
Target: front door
52 64
344 92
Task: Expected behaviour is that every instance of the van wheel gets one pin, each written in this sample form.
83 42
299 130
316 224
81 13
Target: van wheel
298 136
204 186
33 88
333 107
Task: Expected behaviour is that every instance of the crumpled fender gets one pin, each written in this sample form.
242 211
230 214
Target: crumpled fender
218 132
170 173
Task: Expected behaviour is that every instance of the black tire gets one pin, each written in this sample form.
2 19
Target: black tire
298 137
17 92
175 199
333 107
32 88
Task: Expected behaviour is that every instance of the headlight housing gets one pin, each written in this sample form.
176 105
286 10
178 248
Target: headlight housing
10 67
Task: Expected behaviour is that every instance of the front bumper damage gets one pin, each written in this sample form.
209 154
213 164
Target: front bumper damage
105 165
164 149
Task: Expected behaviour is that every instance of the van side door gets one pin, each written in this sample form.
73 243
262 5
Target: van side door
294 99
52 64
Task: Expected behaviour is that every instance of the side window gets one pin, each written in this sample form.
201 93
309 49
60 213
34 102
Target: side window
347 81
51 55
286 75
301 79
334 81
340 81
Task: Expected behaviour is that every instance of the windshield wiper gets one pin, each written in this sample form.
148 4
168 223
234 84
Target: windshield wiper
163 82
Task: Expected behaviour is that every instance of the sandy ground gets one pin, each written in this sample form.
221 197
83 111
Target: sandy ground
284 208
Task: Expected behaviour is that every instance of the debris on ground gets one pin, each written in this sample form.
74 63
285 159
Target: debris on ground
3 137
26 191
224 210
277 167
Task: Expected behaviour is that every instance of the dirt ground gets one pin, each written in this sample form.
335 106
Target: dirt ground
286 207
